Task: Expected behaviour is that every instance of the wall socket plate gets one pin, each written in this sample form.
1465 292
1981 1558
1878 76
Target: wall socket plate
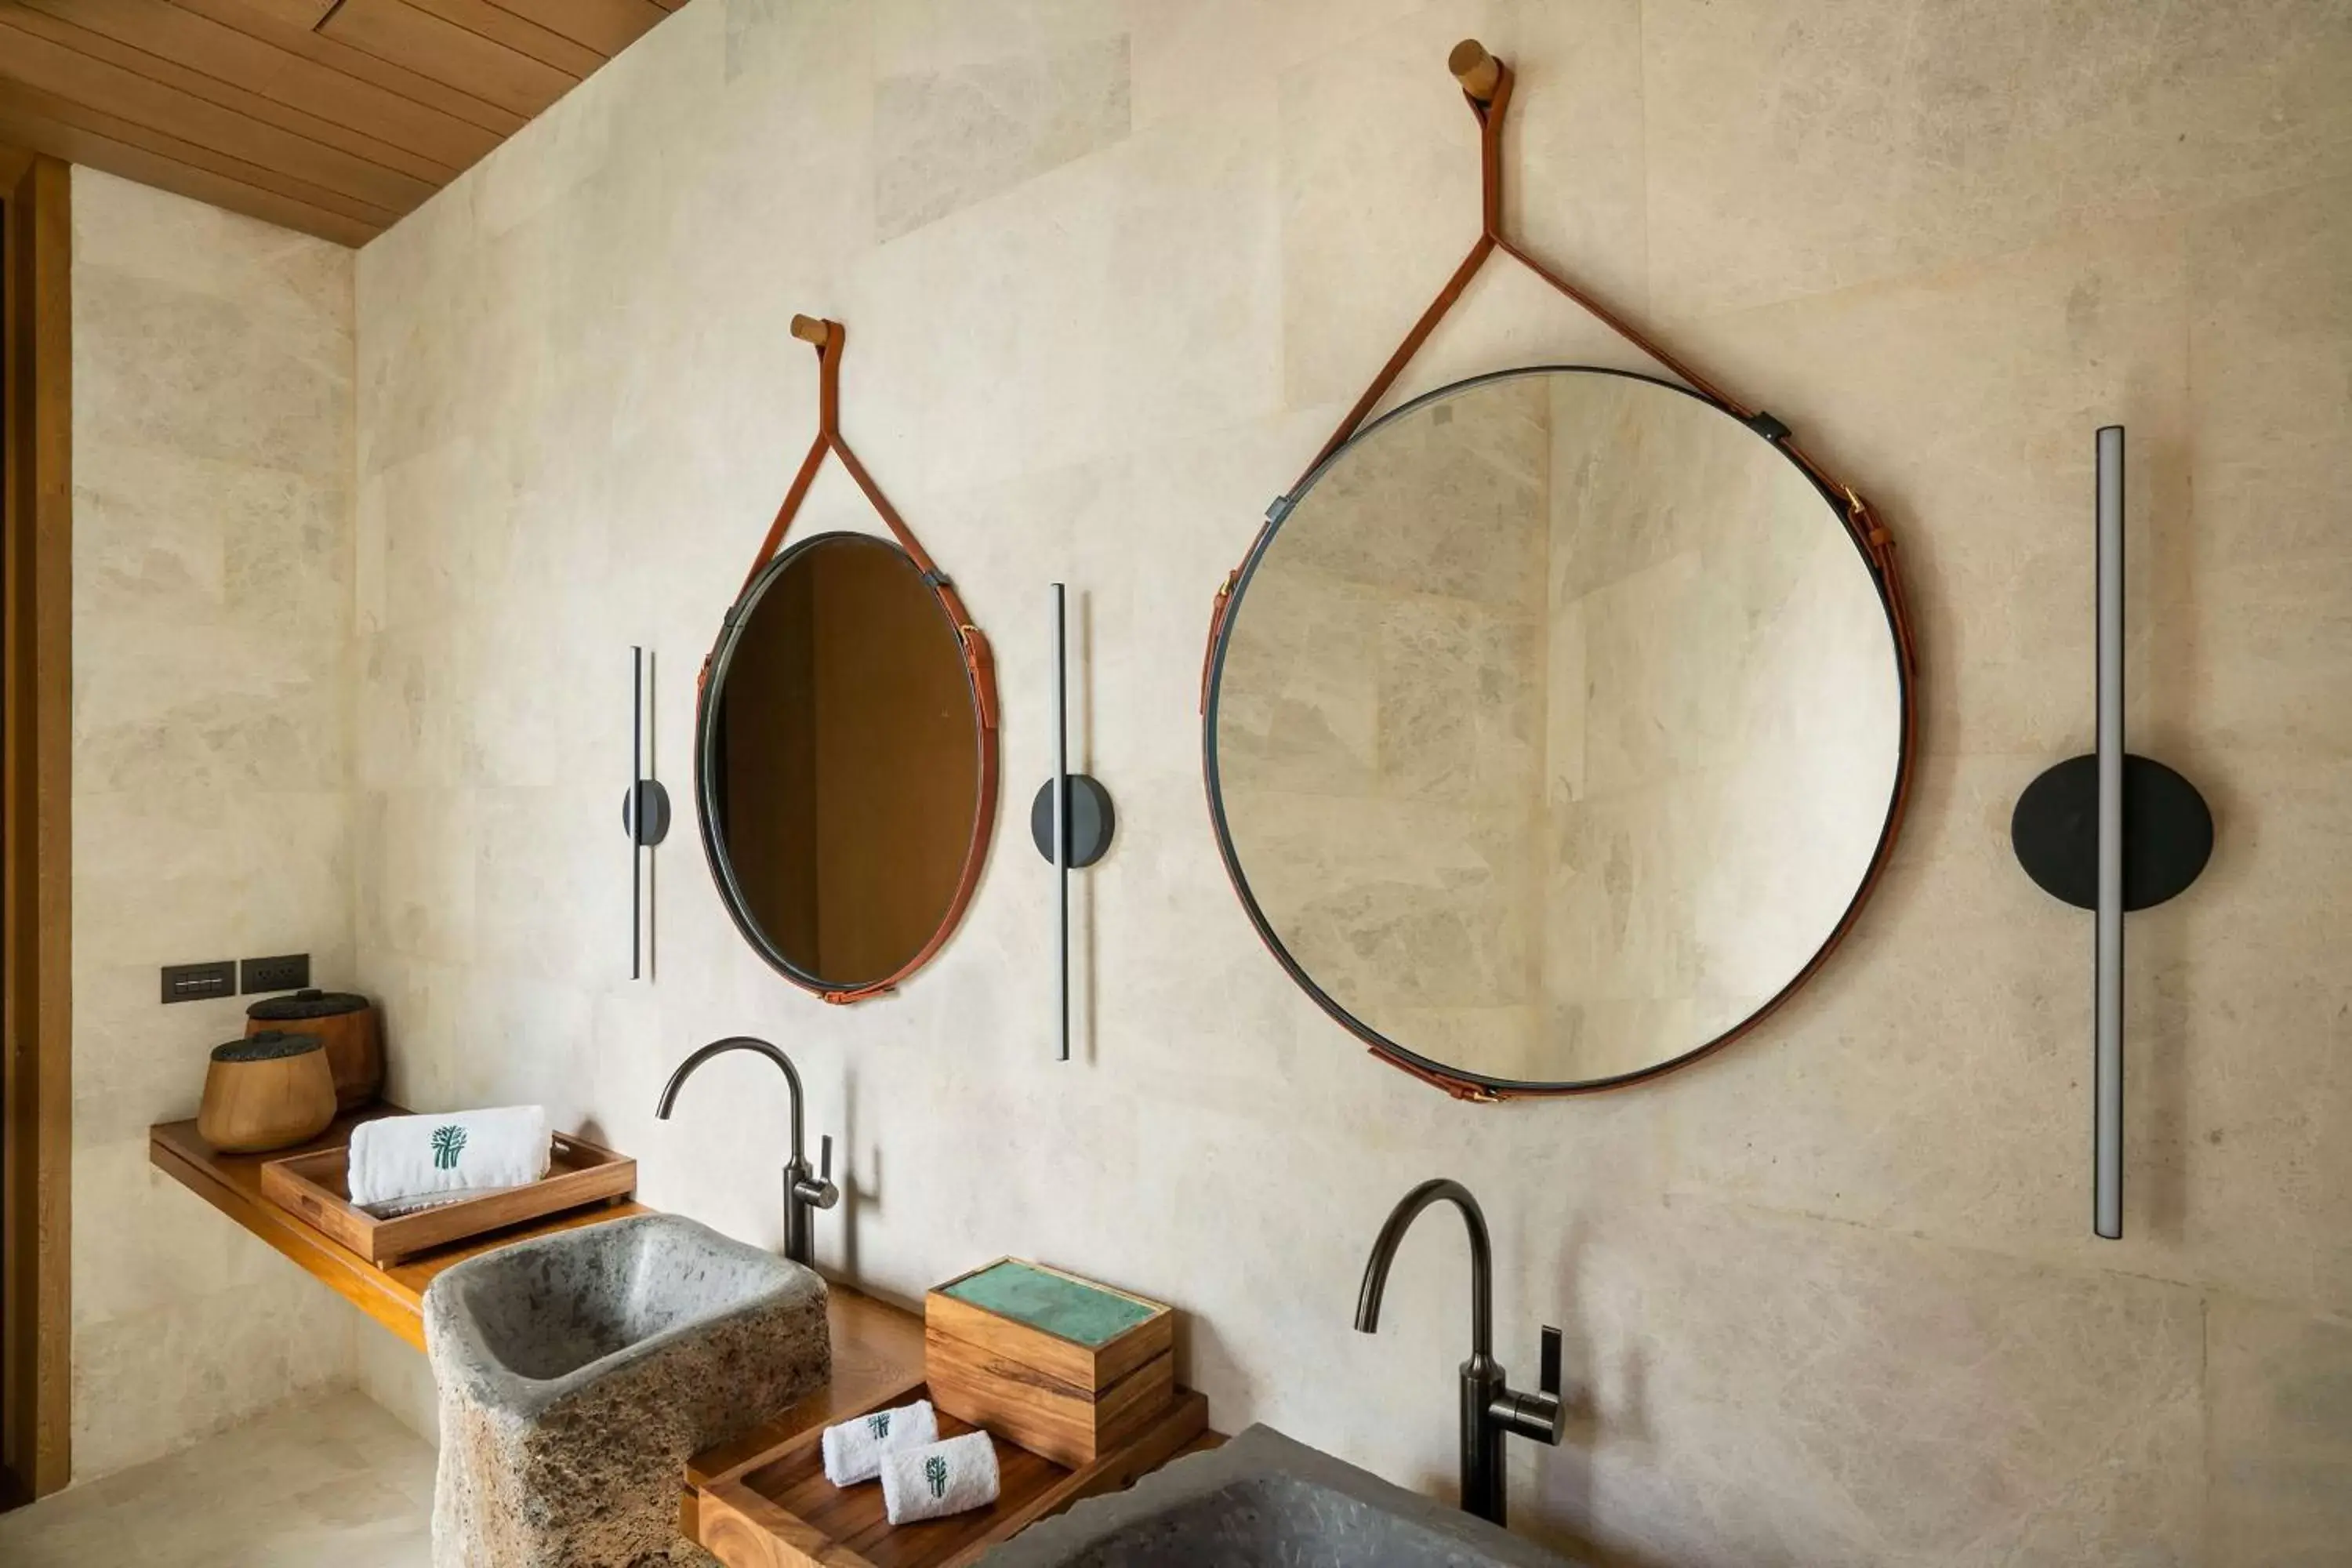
290 972
198 981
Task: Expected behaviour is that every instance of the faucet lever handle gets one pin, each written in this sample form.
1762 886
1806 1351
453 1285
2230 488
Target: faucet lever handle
1549 1381
824 1173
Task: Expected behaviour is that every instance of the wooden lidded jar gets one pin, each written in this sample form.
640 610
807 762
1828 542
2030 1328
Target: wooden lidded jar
267 1090
345 1023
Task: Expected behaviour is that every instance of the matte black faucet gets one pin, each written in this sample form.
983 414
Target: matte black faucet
1490 1408
804 1191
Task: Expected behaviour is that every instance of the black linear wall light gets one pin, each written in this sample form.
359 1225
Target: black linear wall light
1071 820
2111 832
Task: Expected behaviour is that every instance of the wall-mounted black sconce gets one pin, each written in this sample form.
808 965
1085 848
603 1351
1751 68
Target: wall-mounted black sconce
644 808
1071 820
2111 832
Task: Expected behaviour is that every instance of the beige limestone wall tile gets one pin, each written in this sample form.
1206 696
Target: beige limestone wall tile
157 878
2264 637
418 871
945 139
911 37
2279 1413
154 1382
1192 57
119 227
1800 148
1962 403
212 753
550 900
152 1068
1379 185
233 706
397 1378
1774 1390
1963 984
1016 322
156 357
413 729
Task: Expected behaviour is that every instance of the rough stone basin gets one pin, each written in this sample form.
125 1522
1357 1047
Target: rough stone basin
577 1372
1263 1500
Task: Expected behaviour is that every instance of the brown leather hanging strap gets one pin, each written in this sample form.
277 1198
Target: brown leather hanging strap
1486 85
829 337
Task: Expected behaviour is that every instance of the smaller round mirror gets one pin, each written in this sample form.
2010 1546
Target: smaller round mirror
842 765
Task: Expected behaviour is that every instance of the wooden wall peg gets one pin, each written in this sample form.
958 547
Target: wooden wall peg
1474 68
810 329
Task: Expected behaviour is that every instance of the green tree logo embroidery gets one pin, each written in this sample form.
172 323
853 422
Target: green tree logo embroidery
879 1425
448 1142
934 1470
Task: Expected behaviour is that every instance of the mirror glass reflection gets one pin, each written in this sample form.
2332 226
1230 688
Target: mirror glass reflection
1555 729
840 761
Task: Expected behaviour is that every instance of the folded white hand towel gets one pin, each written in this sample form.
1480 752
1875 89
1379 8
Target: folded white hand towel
854 1450
408 1162
938 1479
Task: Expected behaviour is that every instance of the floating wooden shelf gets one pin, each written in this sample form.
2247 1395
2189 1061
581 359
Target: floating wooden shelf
393 1294
877 1352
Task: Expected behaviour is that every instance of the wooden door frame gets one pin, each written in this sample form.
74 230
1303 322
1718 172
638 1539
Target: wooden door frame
36 828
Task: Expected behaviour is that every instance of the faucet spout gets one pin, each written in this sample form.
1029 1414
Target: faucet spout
803 1190
737 1043
1490 1407
1481 1260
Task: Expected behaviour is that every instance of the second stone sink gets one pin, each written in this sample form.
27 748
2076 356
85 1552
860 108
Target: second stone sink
1263 1500
577 1372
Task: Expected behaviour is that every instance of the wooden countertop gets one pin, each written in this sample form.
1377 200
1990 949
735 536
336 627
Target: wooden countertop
393 1294
878 1347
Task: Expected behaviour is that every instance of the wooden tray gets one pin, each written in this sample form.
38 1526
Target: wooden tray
778 1511
311 1186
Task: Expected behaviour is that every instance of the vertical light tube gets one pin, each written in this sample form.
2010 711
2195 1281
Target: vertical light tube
637 803
2107 1111
1062 809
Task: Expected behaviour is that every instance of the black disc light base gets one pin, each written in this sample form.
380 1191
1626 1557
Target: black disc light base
1092 821
645 812
2168 832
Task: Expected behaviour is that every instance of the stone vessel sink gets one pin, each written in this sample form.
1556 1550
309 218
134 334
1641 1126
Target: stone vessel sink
1263 1500
577 1372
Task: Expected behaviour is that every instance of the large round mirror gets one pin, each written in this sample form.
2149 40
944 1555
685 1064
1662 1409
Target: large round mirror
843 765
1554 732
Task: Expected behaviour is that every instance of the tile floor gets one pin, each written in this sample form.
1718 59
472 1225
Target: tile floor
338 1483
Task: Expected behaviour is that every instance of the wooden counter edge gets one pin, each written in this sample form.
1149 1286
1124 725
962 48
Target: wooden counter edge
391 1294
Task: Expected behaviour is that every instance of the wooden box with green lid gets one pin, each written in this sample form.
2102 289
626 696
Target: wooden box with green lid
1064 1366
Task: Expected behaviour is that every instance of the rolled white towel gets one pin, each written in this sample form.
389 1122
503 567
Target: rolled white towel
938 1479
854 1449
401 1163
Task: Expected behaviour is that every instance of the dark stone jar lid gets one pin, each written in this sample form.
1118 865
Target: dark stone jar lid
308 1004
266 1046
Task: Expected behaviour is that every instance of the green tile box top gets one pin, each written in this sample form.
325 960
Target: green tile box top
1061 1307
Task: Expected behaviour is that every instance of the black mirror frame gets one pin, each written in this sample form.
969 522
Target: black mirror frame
984 706
1458 1081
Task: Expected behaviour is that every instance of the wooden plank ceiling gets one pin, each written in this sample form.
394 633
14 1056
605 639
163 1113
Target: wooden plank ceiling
334 117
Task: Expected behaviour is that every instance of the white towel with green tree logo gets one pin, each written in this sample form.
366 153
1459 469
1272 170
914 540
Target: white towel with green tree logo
403 1163
854 1449
938 1479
